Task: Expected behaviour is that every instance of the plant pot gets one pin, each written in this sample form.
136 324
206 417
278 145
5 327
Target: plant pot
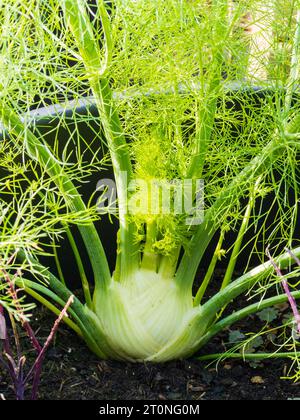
54 122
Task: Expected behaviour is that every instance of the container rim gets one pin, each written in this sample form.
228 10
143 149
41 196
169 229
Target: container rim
67 109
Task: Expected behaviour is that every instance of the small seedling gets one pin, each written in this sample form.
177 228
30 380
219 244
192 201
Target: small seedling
268 315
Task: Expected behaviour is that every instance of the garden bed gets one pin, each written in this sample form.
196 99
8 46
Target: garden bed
72 372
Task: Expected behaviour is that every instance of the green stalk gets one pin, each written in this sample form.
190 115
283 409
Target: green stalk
268 156
203 136
58 265
210 271
295 69
200 325
168 264
243 313
85 319
84 280
206 114
40 152
51 307
205 232
78 20
128 246
237 245
44 290
239 286
149 261
87 324
249 356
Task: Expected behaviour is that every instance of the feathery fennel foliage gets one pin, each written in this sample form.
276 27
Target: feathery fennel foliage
174 85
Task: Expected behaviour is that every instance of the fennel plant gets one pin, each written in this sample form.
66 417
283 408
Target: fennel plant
163 76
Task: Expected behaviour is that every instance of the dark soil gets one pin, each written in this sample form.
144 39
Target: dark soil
72 372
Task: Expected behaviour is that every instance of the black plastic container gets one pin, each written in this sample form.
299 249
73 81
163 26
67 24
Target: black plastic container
59 122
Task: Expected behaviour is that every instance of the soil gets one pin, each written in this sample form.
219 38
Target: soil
72 372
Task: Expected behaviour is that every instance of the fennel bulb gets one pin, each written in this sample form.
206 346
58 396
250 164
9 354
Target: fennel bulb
142 317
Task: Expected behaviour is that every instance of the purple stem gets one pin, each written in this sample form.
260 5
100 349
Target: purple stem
297 260
25 324
37 366
286 288
32 337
